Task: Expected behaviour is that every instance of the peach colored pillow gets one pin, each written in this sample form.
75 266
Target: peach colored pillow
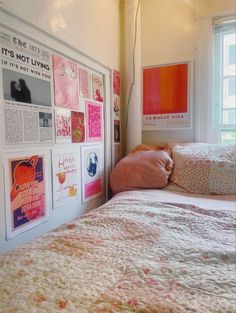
142 169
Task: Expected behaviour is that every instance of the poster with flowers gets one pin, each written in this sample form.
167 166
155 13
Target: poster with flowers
66 175
97 85
94 121
92 172
65 83
77 127
27 191
63 126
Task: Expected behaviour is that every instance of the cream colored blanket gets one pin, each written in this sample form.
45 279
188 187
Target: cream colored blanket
127 256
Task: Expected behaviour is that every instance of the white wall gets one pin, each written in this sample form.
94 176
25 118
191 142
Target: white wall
92 26
216 8
131 87
168 35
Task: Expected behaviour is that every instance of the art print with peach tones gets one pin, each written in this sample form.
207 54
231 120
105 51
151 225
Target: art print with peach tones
65 83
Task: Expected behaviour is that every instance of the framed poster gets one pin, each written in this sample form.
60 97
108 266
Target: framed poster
66 175
92 172
27 190
167 96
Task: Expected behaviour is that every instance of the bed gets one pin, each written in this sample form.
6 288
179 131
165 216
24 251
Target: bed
146 250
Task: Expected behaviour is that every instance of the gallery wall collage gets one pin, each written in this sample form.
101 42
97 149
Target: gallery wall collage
49 100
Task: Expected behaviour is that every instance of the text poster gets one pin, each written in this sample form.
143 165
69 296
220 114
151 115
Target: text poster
94 121
77 127
66 175
97 85
63 126
26 202
166 97
65 83
91 172
26 79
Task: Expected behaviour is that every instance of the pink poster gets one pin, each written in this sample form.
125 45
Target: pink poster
97 83
65 83
116 82
84 83
94 120
26 186
63 126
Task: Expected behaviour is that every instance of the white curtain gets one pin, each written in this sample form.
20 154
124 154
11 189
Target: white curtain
206 127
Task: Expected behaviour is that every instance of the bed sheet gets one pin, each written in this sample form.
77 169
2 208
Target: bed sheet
143 251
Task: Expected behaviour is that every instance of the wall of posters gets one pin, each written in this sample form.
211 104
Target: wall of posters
51 106
92 172
26 181
26 90
166 97
66 175
94 121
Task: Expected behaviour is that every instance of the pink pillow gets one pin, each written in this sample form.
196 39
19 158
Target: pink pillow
142 169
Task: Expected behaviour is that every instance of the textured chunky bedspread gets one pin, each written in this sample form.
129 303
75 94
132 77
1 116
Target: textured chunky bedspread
127 256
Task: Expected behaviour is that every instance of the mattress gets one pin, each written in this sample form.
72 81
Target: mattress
147 251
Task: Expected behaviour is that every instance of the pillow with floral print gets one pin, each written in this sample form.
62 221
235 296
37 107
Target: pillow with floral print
205 168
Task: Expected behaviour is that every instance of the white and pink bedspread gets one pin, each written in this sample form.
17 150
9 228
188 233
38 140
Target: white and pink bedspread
129 255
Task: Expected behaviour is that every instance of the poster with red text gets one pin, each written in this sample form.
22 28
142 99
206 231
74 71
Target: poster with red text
63 126
66 175
92 169
94 121
27 200
65 83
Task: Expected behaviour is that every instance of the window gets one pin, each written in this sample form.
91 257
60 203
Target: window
225 79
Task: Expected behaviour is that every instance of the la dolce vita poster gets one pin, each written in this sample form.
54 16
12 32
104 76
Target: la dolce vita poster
66 175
